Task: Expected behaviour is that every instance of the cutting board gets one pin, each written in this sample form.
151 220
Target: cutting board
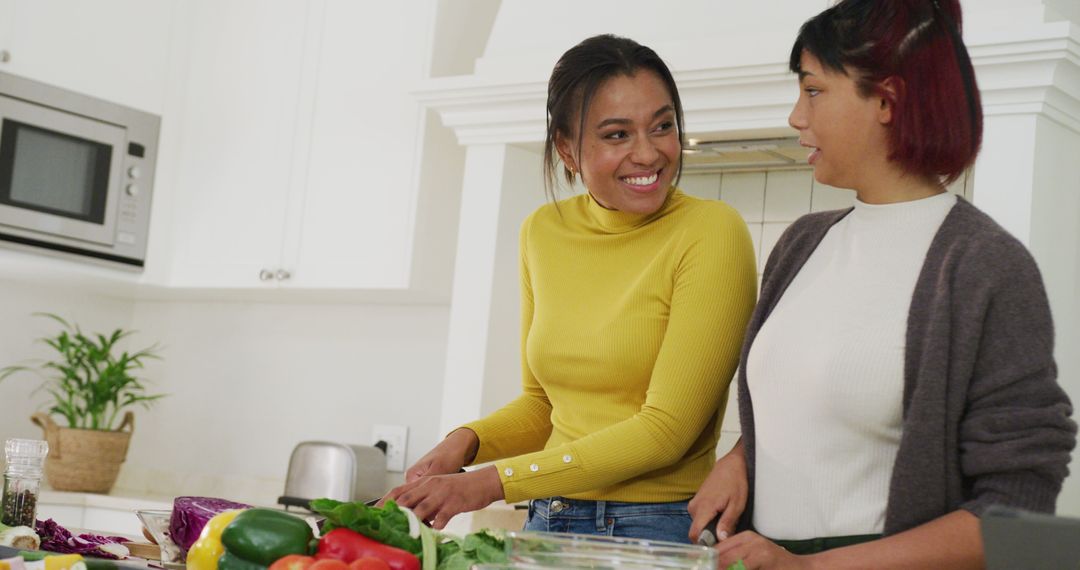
144 550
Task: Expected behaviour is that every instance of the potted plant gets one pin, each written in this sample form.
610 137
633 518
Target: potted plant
91 381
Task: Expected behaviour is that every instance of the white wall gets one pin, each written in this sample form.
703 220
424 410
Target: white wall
1055 236
502 369
248 381
19 298
461 32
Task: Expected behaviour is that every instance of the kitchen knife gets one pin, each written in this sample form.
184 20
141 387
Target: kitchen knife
708 536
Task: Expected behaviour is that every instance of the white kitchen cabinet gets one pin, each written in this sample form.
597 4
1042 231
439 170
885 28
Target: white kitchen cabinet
235 140
360 184
297 150
117 50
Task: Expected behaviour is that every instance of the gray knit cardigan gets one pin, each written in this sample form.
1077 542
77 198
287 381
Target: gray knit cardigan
984 420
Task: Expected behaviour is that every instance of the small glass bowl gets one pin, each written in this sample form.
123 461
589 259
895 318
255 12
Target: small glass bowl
157 524
565 550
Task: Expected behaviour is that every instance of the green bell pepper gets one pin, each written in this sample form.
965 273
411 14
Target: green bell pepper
258 537
230 561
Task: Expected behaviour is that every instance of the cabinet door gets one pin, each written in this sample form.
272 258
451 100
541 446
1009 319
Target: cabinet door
356 221
117 50
236 120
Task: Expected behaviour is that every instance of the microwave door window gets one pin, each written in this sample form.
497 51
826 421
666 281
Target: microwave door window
53 173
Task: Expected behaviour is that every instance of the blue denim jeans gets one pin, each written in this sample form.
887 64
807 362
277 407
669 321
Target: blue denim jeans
653 521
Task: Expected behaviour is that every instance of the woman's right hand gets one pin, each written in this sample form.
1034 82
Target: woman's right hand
449 456
723 493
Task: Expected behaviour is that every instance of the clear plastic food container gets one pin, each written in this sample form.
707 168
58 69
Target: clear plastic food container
157 523
535 550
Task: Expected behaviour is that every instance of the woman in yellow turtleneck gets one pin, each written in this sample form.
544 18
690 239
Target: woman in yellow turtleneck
635 297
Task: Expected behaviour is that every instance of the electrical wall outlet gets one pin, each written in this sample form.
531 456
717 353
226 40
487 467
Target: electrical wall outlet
396 438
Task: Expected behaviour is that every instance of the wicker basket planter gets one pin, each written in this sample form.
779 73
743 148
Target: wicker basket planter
84 460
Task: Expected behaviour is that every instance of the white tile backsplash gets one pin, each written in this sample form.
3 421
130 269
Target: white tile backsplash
728 439
744 191
731 413
770 233
787 195
755 237
825 197
701 185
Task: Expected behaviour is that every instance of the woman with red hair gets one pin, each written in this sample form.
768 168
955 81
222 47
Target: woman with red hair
897 376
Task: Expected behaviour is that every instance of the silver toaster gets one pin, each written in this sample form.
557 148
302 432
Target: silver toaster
324 469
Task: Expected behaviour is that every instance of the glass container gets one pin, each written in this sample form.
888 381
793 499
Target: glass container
156 522
22 481
564 550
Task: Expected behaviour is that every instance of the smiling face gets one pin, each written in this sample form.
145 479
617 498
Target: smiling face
847 131
630 147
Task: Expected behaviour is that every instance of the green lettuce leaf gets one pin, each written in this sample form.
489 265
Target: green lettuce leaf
390 526
476 548
386 524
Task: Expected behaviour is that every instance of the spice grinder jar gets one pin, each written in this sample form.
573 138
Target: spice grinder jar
22 480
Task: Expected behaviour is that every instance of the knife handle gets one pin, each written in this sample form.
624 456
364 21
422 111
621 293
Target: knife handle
708 536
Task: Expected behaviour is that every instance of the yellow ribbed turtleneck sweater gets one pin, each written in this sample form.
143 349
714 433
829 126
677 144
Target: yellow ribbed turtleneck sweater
631 330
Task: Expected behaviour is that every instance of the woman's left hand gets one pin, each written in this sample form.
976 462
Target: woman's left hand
758 553
435 499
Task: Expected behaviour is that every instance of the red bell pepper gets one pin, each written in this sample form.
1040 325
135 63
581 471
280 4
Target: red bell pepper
347 545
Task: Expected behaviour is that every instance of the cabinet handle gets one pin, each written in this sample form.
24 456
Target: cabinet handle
266 275
5 56
282 275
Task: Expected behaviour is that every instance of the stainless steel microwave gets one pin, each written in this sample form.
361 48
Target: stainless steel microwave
76 172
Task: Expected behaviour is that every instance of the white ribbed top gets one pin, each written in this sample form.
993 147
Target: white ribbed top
826 374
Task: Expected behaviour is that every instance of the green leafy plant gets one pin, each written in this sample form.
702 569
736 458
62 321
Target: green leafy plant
89 382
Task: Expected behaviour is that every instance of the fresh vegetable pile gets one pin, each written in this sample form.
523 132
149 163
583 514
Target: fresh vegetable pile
354 537
397 527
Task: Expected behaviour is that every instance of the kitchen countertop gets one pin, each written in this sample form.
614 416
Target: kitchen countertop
497 515
115 500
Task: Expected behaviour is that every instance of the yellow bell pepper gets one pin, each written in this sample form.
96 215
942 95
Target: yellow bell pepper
65 562
204 554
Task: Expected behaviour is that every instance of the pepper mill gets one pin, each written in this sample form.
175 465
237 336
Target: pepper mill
22 480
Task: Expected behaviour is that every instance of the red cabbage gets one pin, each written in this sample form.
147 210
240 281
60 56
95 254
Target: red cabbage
190 515
55 538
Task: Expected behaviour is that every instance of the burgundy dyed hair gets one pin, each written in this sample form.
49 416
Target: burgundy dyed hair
937 113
